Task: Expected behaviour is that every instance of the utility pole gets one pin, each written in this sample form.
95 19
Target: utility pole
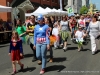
61 5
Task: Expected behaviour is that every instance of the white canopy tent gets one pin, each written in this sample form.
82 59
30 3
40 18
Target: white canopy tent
62 12
28 14
55 12
5 9
40 10
48 10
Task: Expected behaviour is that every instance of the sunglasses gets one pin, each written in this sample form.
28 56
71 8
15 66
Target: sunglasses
32 18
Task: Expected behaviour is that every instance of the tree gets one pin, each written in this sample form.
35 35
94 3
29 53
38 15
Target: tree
83 10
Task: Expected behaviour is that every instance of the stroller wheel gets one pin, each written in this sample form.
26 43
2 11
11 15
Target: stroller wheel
85 43
74 41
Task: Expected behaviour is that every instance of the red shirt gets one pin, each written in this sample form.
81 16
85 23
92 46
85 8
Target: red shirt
73 23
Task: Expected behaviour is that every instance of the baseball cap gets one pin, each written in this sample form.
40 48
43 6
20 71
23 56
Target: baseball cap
40 17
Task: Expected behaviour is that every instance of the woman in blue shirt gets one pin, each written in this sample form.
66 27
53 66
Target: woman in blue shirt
41 41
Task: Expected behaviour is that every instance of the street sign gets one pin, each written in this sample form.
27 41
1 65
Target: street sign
70 10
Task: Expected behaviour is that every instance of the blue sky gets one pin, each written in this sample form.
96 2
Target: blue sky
97 2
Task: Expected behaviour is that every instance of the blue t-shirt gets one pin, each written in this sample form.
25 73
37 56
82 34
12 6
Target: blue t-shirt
41 34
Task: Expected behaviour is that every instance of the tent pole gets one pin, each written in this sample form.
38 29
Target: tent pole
12 18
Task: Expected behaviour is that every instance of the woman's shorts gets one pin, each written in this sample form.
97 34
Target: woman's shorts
64 35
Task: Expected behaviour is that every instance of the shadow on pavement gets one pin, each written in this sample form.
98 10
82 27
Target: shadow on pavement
28 55
97 51
68 44
3 46
4 42
30 69
86 49
55 68
72 48
59 59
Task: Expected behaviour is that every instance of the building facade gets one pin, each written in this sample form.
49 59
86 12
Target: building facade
85 3
75 4
4 15
28 6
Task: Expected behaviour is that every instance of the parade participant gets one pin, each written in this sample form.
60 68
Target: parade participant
94 32
30 31
49 23
87 21
80 38
64 32
27 20
81 22
21 29
52 19
41 41
55 32
16 51
72 24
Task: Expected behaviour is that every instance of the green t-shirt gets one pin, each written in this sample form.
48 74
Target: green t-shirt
20 29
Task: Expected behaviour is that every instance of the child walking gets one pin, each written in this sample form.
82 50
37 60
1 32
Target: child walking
79 38
16 52
55 32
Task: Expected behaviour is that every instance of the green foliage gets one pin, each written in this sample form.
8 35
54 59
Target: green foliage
83 10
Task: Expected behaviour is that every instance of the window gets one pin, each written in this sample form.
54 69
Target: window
65 2
52 0
56 1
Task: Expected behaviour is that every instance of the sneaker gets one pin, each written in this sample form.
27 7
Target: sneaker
13 73
39 62
65 48
71 39
79 49
93 53
51 60
61 44
21 68
55 48
34 59
42 71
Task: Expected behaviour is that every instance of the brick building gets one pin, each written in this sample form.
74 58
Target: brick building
5 15
27 5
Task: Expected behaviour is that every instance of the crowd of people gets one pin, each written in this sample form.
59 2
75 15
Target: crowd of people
43 32
5 26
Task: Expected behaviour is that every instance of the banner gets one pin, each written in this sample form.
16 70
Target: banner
70 11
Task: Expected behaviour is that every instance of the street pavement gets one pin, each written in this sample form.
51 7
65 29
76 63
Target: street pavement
70 62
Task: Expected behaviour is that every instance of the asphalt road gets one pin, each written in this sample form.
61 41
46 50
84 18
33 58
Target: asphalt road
70 62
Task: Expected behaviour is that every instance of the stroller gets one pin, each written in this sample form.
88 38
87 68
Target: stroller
86 38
